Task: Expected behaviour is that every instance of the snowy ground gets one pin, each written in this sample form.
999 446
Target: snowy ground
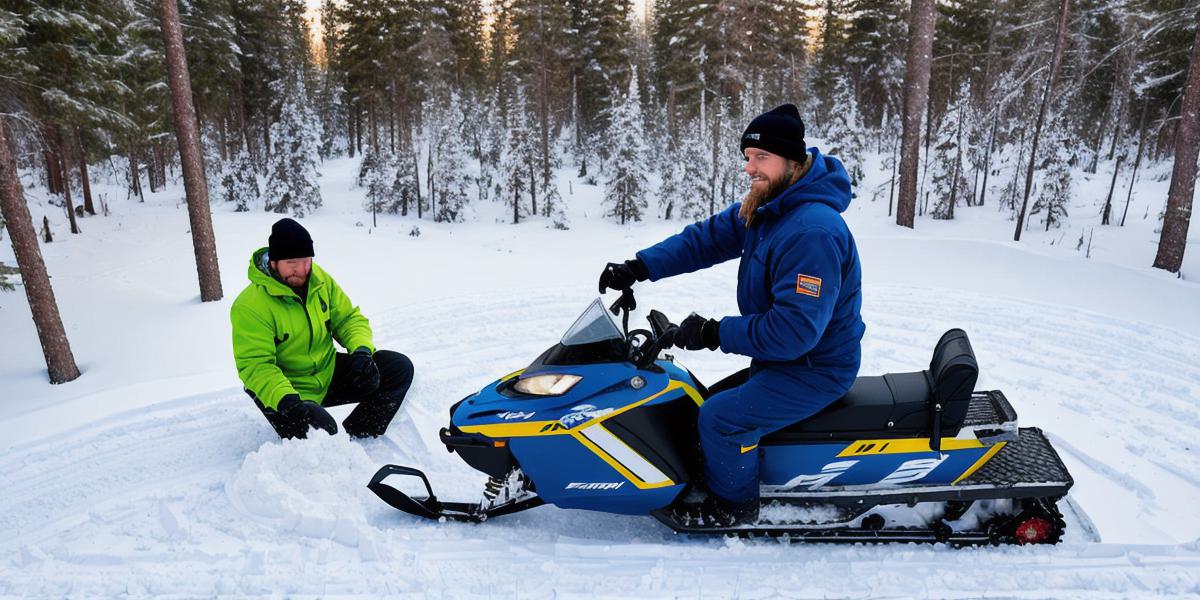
153 474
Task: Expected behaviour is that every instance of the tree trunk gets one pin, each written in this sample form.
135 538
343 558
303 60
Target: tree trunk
350 127
135 176
203 241
83 177
60 362
1060 40
1107 212
63 180
417 177
1183 176
532 192
1137 161
892 182
987 157
918 65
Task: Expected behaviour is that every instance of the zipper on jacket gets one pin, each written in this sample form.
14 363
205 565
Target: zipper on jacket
311 333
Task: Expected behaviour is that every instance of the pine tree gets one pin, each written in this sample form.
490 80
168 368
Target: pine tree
518 162
292 170
447 146
405 187
947 181
601 53
627 184
376 174
240 182
845 132
1054 170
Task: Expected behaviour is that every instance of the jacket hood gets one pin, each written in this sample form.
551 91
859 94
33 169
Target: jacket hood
826 182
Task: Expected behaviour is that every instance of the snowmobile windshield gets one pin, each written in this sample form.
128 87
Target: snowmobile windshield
596 324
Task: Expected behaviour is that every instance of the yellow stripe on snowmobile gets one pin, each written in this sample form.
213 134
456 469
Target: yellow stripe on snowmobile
746 449
979 463
511 375
904 446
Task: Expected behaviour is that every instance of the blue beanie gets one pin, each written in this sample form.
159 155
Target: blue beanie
778 131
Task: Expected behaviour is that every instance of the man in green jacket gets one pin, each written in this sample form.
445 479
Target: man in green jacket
284 326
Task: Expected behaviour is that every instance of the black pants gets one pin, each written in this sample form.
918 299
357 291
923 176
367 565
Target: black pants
376 408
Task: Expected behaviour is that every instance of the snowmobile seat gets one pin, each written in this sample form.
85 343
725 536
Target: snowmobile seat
898 404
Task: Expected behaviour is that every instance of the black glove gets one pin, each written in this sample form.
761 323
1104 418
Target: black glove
363 373
698 333
306 411
622 276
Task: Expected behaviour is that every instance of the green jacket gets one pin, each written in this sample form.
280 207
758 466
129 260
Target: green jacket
283 345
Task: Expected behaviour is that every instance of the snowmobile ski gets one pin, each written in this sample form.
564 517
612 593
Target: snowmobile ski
429 507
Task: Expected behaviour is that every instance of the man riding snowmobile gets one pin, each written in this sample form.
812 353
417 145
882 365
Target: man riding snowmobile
799 292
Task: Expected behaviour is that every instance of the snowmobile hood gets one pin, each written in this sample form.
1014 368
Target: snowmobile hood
259 274
826 182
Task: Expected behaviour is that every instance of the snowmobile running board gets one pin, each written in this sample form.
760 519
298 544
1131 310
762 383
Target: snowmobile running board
430 507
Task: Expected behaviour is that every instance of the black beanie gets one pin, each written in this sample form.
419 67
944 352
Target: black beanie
289 239
779 131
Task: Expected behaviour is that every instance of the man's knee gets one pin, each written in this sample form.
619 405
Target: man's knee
719 414
395 369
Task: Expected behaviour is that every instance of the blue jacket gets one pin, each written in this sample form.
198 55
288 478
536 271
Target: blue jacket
799 282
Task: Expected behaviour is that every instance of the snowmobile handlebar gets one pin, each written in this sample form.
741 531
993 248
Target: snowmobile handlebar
663 336
661 328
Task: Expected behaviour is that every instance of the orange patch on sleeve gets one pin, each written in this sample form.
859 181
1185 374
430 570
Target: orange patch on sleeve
808 285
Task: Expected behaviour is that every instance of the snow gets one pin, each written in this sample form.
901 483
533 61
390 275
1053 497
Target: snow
154 475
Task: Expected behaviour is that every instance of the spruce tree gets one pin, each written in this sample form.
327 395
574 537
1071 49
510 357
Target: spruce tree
377 173
293 167
240 182
448 148
845 132
1054 170
626 186
518 162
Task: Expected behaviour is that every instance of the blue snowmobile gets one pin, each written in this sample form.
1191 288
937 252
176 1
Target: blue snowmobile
604 420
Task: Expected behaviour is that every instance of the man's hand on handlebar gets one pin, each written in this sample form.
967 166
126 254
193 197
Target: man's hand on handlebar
622 276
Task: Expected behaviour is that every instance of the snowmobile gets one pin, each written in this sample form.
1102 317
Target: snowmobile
605 420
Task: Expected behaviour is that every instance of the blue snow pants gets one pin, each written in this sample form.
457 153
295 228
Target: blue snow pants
750 404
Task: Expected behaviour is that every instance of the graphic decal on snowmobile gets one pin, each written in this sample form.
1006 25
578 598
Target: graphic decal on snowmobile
914 470
828 473
575 485
582 414
516 415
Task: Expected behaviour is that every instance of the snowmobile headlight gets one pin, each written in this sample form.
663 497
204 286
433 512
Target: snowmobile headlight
547 385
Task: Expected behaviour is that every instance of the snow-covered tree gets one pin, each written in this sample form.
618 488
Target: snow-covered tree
292 170
517 166
376 173
405 186
685 171
845 132
448 150
728 180
947 178
627 183
239 183
1054 191
214 167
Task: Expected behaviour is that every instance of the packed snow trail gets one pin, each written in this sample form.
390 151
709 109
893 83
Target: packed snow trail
195 495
